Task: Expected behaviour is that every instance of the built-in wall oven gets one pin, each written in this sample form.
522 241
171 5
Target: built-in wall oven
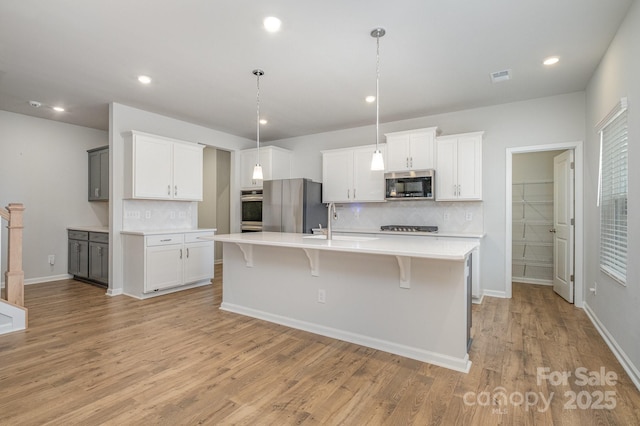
251 203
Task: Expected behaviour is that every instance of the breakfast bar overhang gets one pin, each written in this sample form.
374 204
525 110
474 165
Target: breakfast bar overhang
410 297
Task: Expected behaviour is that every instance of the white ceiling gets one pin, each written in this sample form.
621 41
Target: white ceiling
436 57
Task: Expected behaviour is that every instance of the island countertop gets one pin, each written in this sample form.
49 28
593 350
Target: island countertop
384 245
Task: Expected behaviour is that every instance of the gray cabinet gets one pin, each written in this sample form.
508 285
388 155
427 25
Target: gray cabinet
99 257
79 254
89 256
99 174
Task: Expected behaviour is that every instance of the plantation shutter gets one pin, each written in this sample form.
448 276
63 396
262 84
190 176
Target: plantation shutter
613 194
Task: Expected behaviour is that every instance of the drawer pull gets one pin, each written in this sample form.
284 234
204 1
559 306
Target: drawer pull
164 241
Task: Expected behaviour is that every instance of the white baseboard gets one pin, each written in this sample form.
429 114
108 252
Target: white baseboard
495 293
622 357
43 279
458 364
477 300
536 281
114 292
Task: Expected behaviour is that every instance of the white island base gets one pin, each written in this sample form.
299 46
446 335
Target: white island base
410 306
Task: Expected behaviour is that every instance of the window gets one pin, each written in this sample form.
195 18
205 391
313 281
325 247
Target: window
613 193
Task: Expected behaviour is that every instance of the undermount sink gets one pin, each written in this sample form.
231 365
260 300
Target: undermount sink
341 238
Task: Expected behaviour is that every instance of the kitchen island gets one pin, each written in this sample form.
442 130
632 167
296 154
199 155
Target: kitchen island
410 298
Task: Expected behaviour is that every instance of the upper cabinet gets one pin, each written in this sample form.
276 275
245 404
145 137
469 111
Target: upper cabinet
459 167
275 162
160 168
99 174
347 176
411 150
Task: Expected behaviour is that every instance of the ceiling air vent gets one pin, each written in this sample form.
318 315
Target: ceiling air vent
499 76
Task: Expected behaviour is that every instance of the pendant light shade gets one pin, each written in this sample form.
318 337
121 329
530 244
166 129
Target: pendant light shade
257 169
377 161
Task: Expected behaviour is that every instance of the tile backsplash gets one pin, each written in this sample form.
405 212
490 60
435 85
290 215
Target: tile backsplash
453 217
148 215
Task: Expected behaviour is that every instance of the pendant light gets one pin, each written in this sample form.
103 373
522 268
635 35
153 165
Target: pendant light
257 170
377 161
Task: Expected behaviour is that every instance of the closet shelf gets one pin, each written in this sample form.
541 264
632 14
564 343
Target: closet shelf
523 262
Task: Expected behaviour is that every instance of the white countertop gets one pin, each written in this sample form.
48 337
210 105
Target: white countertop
168 231
103 229
387 245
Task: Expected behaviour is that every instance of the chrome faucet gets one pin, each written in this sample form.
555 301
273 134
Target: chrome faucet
331 214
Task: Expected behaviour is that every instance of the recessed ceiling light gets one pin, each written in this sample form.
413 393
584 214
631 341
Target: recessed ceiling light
551 60
263 121
272 24
370 98
35 104
144 79
58 109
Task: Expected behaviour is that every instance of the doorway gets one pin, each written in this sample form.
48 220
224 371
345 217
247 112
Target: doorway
537 254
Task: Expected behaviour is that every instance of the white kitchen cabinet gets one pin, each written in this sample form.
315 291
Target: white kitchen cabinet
162 263
162 168
411 150
347 176
459 167
275 162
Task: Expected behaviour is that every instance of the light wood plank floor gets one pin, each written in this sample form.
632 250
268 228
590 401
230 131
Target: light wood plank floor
91 359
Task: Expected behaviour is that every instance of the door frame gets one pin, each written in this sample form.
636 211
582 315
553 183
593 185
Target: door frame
578 149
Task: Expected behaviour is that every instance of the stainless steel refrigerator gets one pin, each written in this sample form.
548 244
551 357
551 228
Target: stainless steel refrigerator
292 205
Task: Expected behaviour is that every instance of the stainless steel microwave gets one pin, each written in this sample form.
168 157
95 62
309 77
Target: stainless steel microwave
411 185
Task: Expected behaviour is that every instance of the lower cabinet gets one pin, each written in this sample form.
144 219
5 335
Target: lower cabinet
162 263
88 254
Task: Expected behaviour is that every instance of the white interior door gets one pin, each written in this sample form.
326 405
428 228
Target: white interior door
563 228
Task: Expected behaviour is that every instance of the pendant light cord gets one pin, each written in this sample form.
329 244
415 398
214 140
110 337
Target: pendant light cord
377 88
258 115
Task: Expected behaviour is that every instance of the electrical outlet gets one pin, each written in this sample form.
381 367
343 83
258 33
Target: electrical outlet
52 259
133 214
182 215
446 216
322 296
469 216
594 289
172 215
147 214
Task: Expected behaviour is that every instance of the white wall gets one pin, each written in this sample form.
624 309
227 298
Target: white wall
44 165
615 307
536 122
122 119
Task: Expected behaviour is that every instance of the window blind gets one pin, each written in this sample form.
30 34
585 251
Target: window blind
613 196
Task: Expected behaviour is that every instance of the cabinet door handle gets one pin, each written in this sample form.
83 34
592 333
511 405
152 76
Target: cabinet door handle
354 193
187 252
459 190
180 253
168 189
348 191
97 192
410 161
407 161
175 191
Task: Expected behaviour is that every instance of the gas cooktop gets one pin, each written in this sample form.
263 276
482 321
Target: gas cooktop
409 228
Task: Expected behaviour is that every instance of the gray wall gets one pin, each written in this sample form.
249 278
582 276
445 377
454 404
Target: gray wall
43 164
616 307
536 122
122 119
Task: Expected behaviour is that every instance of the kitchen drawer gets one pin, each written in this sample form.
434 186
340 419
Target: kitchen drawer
78 235
164 239
99 237
194 237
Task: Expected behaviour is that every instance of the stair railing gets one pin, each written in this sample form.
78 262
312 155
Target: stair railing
14 277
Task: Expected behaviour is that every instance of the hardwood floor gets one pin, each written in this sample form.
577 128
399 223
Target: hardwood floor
92 359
